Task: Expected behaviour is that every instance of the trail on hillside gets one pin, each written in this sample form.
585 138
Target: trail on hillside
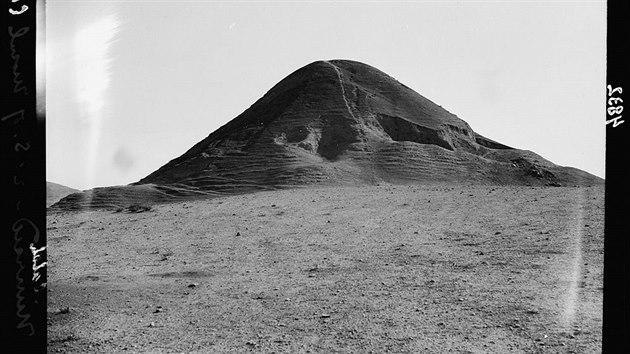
343 90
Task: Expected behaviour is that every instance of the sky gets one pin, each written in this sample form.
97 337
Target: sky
131 85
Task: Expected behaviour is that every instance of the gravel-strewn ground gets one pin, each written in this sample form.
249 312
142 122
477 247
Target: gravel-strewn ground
391 268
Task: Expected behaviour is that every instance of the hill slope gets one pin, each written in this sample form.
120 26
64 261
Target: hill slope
55 192
346 121
342 122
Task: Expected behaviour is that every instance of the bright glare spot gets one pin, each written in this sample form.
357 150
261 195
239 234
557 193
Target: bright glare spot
93 60
91 48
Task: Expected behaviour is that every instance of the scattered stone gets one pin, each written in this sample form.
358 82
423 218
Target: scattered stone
238 234
138 208
324 315
64 310
152 324
192 285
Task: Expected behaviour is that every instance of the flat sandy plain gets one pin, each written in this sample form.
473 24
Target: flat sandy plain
367 269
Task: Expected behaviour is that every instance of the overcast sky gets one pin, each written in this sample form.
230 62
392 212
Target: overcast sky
133 84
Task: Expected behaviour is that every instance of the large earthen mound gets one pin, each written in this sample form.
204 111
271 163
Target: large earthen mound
339 122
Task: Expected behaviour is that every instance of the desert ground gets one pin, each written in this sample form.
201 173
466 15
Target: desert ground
365 269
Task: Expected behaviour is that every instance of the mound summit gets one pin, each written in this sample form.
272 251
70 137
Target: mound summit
338 122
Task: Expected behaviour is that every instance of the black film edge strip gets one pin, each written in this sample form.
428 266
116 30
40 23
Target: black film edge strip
616 329
22 162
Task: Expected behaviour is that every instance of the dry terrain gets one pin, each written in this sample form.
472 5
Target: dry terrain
55 192
366 269
337 122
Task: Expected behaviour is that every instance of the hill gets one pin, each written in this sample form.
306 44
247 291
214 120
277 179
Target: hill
338 122
55 192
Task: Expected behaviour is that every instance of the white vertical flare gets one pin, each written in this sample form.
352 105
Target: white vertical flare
572 295
93 58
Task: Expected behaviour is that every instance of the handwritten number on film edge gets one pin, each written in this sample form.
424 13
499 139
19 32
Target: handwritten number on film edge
612 109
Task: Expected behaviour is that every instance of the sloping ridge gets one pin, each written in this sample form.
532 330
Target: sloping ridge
339 122
56 192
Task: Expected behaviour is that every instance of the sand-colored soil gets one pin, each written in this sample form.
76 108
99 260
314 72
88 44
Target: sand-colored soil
390 268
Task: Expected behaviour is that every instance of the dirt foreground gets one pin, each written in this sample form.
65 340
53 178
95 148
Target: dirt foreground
390 268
